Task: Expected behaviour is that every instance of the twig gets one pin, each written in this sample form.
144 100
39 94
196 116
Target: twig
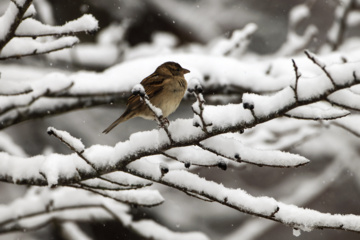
197 90
162 122
34 98
37 52
15 21
80 154
82 186
297 77
317 62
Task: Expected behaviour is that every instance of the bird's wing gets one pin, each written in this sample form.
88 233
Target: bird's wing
152 84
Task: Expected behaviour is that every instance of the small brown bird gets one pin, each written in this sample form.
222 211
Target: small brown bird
165 88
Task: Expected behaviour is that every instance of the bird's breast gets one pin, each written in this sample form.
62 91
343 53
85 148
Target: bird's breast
172 95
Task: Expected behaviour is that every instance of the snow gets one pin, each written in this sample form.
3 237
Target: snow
235 197
18 47
40 205
143 197
151 230
30 11
7 19
72 231
296 232
307 219
351 123
126 179
238 38
74 143
32 27
8 145
13 88
195 156
227 115
229 147
86 54
47 85
315 58
267 105
299 13
319 110
145 168
353 19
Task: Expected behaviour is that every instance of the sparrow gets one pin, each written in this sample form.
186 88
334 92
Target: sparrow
165 88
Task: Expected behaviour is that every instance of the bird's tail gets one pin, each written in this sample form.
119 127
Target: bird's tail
122 118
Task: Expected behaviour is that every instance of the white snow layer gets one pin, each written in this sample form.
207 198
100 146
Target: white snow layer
151 230
75 143
18 47
230 147
32 27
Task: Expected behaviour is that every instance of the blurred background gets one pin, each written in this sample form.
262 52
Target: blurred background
185 25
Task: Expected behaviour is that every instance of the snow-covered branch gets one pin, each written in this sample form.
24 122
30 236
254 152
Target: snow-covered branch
41 206
19 32
183 132
89 168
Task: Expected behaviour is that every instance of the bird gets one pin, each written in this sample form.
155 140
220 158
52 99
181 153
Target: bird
165 88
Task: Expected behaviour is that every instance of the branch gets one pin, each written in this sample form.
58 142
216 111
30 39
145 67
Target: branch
162 122
32 47
11 20
33 28
16 22
239 200
223 118
336 33
198 107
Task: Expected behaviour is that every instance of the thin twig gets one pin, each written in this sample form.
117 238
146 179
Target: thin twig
311 56
162 122
297 77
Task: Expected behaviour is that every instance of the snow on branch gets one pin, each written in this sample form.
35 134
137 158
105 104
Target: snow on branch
335 35
231 77
8 88
234 150
265 207
17 22
95 162
11 20
152 230
17 48
50 85
73 143
237 43
228 118
296 43
41 206
33 28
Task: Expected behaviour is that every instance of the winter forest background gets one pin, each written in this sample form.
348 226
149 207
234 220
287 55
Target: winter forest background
265 144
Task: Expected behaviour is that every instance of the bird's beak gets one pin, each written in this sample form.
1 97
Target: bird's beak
184 71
